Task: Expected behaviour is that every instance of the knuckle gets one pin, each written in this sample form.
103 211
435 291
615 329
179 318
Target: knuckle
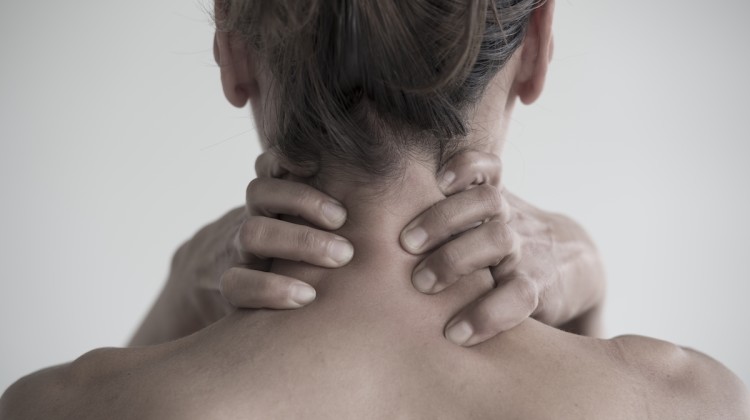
497 259
491 198
514 241
527 292
253 231
510 255
245 232
509 263
435 220
307 198
548 307
307 239
253 187
252 227
500 235
512 251
440 215
450 258
228 282
485 315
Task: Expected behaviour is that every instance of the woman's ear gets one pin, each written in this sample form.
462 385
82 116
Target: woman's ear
536 54
236 67
236 64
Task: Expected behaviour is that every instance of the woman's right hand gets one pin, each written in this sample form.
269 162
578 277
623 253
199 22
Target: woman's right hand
261 236
224 266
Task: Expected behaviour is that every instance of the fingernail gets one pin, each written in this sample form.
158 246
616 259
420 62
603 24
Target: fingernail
424 280
341 251
460 333
302 294
334 213
446 180
415 238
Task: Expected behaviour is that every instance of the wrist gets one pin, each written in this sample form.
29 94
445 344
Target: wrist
577 266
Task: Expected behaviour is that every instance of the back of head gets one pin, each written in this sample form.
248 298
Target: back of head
362 83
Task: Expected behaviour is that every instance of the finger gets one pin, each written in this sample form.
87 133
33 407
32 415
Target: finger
269 164
271 197
470 168
272 238
487 245
500 310
244 288
451 216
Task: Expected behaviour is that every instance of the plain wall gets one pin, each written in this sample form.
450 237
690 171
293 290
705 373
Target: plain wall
116 145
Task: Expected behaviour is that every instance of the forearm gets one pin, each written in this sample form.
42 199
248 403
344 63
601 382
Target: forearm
172 316
191 299
576 286
582 277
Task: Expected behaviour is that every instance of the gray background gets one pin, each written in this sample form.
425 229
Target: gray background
116 145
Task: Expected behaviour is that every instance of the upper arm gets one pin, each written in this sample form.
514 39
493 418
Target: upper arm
37 395
98 384
709 379
682 379
59 391
190 298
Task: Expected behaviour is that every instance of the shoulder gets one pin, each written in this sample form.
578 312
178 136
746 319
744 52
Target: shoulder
32 396
58 391
681 379
107 383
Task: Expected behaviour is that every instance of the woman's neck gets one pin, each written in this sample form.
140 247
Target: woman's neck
381 270
375 218
378 212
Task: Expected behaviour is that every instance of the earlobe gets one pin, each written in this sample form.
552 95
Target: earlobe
216 48
536 54
237 72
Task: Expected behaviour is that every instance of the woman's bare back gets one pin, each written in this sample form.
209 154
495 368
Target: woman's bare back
371 347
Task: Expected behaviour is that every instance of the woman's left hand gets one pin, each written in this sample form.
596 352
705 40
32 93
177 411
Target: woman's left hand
544 264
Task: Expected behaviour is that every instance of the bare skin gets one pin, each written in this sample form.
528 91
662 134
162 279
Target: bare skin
226 264
371 346
545 265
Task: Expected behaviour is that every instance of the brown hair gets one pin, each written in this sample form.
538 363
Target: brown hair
365 81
